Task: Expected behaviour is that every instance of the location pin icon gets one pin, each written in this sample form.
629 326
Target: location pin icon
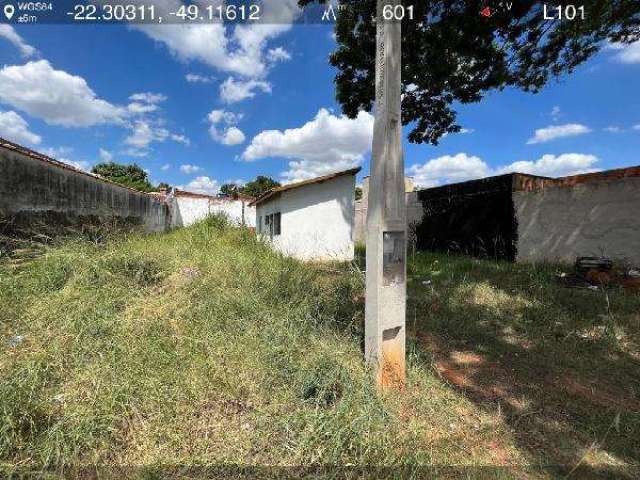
9 10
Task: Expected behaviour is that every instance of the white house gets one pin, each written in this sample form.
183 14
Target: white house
312 219
187 208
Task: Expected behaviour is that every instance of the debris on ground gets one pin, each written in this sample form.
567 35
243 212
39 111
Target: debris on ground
15 341
190 272
595 273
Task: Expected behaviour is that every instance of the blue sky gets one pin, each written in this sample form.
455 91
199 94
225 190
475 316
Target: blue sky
200 107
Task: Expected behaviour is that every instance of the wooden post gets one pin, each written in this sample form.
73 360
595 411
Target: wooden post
386 288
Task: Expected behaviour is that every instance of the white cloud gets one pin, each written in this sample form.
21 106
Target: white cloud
555 113
146 131
194 78
203 185
165 167
325 144
238 49
143 133
613 129
189 169
463 131
15 128
55 96
232 90
558 131
134 152
61 154
180 139
146 102
238 181
554 166
232 136
80 165
230 118
627 53
148 97
278 54
60 98
462 167
106 155
8 32
449 169
636 127
139 108
227 134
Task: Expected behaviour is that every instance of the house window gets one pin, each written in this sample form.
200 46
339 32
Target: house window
260 224
276 223
272 224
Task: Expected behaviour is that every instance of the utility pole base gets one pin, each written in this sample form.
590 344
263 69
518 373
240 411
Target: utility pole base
391 373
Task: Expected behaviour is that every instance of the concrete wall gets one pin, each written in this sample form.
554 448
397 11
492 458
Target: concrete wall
415 212
317 220
34 187
414 209
475 217
236 210
591 218
187 209
360 221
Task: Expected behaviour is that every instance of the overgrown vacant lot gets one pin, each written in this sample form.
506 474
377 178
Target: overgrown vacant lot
202 347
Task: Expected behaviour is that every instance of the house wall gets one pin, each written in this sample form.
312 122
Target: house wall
33 190
186 210
560 223
317 220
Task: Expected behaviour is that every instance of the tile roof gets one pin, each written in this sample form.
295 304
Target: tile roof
230 198
290 186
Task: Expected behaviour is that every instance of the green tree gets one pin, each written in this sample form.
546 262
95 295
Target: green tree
450 53
132 176
229 189
358 193
163 186
260 185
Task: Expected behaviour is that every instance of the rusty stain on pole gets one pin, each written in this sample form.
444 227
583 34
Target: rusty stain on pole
386 216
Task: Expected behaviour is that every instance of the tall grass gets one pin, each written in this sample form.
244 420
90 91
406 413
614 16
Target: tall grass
195 347
205 347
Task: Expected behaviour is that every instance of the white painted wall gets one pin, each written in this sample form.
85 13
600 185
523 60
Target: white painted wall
594 218
233 209
415 212
186 210
317 220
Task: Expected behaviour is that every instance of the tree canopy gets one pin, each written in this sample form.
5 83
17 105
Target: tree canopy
450 53
260 185
132 176
229 189
254 188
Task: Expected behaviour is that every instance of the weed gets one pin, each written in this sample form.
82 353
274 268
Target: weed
203 346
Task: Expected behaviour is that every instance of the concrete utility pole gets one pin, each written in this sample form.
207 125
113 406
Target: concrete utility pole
386 218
